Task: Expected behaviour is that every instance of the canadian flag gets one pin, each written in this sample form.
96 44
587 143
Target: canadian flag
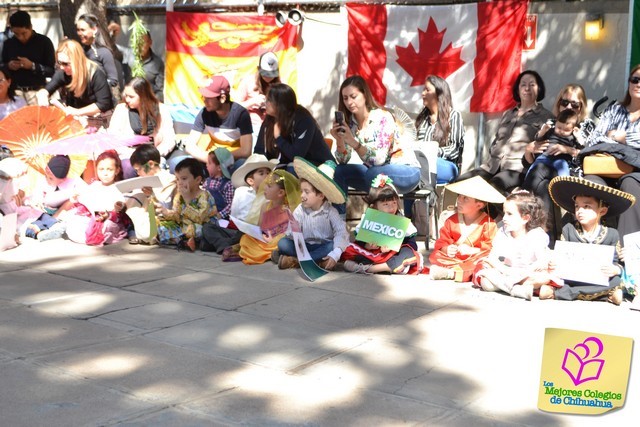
475 47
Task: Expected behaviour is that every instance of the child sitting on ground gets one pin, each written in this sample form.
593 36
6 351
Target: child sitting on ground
563 132
192 207
217 235
145 160
465 238
519 259
590 201
219 181
281 194
325 233
53 197
103 202
367 258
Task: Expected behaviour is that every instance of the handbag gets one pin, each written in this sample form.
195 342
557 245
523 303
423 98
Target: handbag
605 165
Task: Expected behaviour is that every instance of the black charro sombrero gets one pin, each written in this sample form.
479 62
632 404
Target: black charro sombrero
564 189
321 177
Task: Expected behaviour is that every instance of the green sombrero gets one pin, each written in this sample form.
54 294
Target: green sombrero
563 190
321 177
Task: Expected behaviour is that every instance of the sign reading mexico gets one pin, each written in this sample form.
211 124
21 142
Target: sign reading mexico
583 372
201 45
383 229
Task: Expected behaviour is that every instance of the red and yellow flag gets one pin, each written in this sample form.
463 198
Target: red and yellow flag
201 45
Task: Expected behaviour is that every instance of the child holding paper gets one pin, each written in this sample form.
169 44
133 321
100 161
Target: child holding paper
590 201
282 194
102 199
219 181
368 258
220 235
518 262
146 162
192 207
324 231
465 238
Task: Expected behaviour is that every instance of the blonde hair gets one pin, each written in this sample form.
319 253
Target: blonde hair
579 91
82 69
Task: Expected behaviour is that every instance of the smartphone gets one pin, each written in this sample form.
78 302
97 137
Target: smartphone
340 117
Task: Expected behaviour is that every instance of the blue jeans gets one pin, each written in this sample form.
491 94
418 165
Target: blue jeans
560 164
316 250
446 171
405 178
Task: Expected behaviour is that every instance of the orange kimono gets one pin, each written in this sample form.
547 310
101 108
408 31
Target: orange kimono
480 237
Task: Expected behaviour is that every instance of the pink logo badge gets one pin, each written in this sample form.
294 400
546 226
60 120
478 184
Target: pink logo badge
582 364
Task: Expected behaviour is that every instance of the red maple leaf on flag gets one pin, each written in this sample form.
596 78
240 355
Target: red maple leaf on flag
429 60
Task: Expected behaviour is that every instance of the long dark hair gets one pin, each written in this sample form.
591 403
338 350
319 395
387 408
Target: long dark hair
359 83
263 85
11 90
442 127
627 98
283 98
149 108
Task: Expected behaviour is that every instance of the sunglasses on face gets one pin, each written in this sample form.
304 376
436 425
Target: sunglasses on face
566 103
64 64
634 80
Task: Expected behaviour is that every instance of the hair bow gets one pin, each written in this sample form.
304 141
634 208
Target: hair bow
381 180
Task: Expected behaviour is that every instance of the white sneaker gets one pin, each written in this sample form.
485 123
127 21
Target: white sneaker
354 267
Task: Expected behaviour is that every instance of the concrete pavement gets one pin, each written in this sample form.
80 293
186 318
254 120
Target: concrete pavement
146 336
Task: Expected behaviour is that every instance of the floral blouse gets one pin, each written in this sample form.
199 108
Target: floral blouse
379 136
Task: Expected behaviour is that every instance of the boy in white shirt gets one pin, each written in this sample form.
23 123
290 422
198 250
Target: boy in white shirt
325 232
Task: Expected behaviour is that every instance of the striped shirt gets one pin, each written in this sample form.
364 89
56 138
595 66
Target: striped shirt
616 117
453 148
322 226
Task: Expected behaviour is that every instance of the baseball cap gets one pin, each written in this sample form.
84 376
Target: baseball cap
268 65
214 87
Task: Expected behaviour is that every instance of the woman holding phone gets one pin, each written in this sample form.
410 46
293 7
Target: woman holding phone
289 130
371 133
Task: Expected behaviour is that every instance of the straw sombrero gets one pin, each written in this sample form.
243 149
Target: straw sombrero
321 177
477 188
564 189
253 162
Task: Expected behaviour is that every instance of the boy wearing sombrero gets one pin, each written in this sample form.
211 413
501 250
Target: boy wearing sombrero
465 237
324 231
589 201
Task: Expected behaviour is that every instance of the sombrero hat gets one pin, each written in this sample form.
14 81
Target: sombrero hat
321 177
477 188
564 189
253 162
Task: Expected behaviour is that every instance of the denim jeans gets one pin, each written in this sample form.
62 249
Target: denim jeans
405 178
316 250
446 171
560 164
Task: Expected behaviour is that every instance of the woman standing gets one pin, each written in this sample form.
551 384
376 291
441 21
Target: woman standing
289 130
82 83
439 121
371 133
97 49
517 128
9 102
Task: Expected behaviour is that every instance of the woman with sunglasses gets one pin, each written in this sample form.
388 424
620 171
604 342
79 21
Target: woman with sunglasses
83 86
571 97
620 124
